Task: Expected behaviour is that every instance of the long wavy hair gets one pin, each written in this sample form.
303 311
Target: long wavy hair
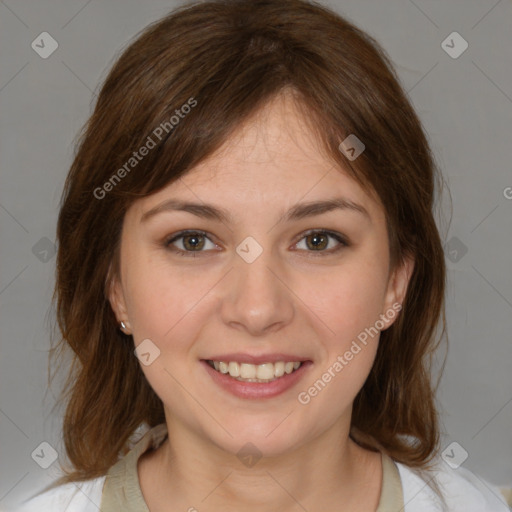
231 57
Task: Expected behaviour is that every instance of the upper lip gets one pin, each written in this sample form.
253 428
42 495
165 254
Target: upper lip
257 359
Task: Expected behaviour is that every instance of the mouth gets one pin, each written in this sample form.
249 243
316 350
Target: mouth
256 381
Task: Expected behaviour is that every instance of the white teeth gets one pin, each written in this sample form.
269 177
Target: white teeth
279 369
265 371
234 369
247 371
256 373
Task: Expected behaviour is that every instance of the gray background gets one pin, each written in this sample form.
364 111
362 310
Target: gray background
465 104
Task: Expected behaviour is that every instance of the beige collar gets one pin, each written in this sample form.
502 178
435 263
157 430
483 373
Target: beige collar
121 490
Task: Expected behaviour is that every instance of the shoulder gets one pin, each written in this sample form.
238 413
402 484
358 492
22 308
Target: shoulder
75 497
461 490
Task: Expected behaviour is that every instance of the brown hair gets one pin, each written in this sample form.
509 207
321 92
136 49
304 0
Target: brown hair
231 57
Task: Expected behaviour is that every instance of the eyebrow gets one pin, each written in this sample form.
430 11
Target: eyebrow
297 212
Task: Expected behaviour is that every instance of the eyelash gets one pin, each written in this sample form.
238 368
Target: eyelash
182 234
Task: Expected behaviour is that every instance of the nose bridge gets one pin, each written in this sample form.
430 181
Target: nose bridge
256 299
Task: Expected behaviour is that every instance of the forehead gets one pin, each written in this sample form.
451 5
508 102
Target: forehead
276 142
274 159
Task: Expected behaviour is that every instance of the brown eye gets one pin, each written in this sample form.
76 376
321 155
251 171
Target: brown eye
190 242
319 241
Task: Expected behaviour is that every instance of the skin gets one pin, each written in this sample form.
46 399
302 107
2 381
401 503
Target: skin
292 299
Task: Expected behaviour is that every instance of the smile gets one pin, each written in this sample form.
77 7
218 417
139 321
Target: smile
245 372
256 381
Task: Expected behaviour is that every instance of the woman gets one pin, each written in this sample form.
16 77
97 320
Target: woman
249 268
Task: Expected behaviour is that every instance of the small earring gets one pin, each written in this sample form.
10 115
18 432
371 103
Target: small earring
123 326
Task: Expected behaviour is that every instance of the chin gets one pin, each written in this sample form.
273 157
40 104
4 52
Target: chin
270 438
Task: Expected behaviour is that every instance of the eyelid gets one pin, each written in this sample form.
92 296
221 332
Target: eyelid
171 238
337 236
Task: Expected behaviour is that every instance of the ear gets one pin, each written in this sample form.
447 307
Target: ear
116 298
397 288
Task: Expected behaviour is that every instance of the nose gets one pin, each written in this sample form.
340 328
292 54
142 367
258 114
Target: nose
256 297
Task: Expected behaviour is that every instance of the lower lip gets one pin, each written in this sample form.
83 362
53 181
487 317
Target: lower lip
243 389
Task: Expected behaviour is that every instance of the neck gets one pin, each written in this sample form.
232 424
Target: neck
328 472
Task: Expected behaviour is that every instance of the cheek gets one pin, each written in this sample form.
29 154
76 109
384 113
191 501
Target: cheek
163 299
164 306
350 306
349 300
333 389
152 306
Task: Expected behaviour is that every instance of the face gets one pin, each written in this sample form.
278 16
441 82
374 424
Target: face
261 275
